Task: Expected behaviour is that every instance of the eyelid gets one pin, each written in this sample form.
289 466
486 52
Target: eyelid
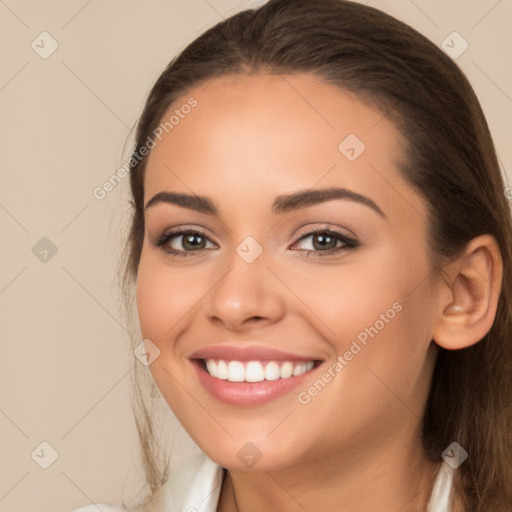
179 230
326 227
313 227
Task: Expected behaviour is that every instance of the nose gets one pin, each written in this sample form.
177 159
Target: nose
246 295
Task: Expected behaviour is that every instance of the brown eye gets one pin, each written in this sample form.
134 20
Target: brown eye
191 241
325 242
182 243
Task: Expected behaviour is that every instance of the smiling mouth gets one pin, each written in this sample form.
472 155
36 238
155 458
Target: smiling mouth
255 371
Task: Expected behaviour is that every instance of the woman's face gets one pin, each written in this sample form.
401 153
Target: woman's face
336 290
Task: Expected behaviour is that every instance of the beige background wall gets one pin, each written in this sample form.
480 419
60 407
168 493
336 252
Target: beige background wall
64 121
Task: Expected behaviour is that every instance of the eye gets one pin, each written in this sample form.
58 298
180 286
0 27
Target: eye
187 241
182 242
326 242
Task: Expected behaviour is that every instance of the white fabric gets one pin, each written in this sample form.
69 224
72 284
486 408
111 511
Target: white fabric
440 497
197 489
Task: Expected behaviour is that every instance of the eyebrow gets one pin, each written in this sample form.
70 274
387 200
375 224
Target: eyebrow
282 204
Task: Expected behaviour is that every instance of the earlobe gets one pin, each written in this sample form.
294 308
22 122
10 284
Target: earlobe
469 310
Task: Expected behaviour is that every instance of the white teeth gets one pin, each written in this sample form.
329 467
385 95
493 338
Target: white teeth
272 371
286 370
255 371
299 369
222 370
236 371
302 368
211 366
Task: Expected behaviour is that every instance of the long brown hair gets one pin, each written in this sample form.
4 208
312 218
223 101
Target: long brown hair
451 162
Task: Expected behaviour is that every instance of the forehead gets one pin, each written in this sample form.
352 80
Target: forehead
251 135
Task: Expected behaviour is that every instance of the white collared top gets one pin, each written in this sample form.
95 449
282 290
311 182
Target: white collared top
197 489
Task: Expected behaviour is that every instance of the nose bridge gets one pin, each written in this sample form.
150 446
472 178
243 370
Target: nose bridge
245 289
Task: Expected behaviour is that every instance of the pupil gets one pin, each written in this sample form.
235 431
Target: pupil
323 239
187 240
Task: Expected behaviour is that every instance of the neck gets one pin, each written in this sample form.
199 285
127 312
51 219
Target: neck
399 477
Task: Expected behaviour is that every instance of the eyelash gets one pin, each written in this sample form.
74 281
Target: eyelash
349 243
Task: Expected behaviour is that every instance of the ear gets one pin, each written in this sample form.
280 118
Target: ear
470 295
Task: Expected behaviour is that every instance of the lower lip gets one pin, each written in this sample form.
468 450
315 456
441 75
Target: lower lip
248 393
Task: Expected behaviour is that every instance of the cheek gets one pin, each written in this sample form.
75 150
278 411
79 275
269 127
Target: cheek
163 298
374 311
381 340
347 300
163 301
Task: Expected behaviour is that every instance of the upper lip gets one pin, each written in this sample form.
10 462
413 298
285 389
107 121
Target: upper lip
248 353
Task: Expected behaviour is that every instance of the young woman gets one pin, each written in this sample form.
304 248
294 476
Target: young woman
321 255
